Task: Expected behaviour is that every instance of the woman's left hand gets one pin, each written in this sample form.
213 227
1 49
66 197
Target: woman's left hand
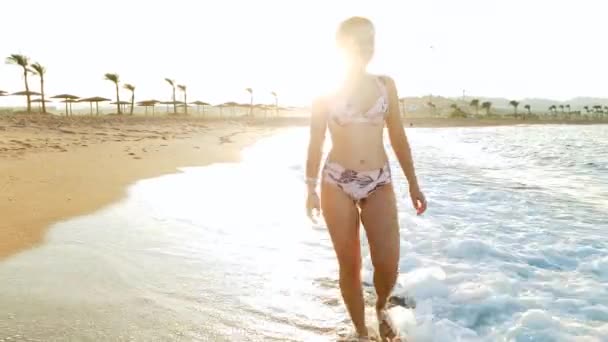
418 200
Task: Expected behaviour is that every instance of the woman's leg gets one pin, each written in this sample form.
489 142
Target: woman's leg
379 217
342 218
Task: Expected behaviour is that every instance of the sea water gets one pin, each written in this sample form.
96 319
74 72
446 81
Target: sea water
513 247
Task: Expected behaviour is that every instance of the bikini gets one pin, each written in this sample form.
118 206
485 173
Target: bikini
358 185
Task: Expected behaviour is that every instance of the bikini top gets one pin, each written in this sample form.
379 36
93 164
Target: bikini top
342 113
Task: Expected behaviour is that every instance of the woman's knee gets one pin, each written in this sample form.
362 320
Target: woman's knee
350 268
386 266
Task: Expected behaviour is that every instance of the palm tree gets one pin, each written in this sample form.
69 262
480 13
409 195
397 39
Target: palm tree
553 109
433 107
183 89
487 106
39 70
114 78
172 83
22 61
586 109
475 104
528 108
250 91
568 108
562 108
276 102
131 88
515 104
597 109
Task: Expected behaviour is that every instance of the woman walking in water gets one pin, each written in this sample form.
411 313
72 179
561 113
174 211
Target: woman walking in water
356 178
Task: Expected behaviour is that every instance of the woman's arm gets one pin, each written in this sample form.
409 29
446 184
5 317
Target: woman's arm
318 126
397 135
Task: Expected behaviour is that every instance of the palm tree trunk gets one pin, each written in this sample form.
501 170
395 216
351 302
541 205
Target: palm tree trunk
27 89
118 99
174 103
42 94
185 103
276 106
132 101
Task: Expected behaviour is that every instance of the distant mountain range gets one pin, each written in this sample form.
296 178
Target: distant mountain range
576 103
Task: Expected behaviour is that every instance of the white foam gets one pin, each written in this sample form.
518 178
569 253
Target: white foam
424 283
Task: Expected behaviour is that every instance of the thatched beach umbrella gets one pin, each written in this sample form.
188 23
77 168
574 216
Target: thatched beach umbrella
231 105
199 104
123 104
148 103
26 93
95 99
39 101
172 103
69 102
66 97
184 106
264 107
3 93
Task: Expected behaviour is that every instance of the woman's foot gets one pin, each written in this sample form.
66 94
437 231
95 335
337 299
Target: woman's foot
357 338
386 327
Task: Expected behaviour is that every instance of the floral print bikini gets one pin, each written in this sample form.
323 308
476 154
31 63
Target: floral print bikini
358 185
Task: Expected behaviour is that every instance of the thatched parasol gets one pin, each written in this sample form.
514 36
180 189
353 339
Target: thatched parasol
66 97
3 93
199 104
95 99
231 105
26 93
39 101
172 103
122 103
148 103
69 102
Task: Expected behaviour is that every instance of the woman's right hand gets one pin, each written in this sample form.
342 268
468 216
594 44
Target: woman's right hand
313 204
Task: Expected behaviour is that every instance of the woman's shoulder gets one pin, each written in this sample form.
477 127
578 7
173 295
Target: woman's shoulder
385 79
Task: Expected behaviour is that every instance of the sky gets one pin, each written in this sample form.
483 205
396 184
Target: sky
489 48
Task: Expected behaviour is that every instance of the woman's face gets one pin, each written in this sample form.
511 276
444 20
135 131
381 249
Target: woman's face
358 45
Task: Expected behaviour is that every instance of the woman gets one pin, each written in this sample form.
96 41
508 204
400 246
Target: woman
356 178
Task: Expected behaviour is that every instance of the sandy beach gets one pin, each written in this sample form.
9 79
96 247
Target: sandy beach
54 168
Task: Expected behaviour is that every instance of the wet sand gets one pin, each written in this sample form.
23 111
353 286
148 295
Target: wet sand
54 168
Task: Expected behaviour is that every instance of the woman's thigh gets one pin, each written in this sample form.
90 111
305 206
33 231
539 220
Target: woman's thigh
342 218
380 220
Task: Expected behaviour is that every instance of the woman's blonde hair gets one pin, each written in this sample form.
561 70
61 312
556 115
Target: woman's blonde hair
355 27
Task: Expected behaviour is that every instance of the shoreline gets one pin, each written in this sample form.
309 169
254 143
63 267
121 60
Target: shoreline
49 173
53 168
